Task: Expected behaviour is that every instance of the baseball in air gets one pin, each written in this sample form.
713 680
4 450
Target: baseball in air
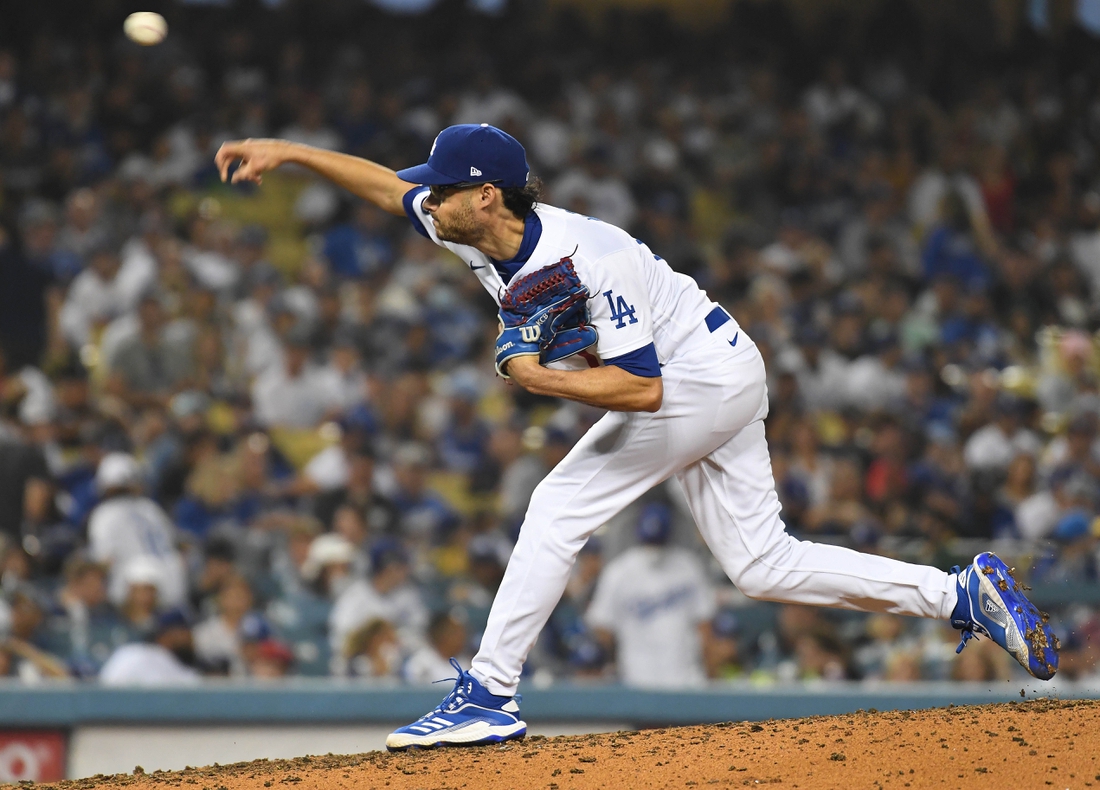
145 27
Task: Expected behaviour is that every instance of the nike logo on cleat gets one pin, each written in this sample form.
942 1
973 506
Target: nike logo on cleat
734 341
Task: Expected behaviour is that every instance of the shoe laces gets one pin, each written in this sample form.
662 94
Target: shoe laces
459 694
968 629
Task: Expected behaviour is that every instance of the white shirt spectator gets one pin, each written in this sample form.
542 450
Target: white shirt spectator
827 105
212 269
255 342
825 386
929 190
361 602
128 528
116 335
39 404
494 107
347 387
1057 453
608 198
142 664
217 643
329 468
297 402
91 299
653 600
1037 515
137 273
871 385
551 142
990 448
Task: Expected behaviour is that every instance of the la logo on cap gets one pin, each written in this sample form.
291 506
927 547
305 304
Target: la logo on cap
474 171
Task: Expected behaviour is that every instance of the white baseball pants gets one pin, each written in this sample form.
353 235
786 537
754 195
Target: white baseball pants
709 433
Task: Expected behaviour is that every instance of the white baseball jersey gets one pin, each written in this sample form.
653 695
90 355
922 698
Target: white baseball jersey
635 298
125 528
653 600
708 434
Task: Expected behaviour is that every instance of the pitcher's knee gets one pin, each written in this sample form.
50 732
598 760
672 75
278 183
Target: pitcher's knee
753 582
760 576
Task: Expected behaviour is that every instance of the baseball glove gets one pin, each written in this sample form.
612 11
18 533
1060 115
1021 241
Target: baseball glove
544 314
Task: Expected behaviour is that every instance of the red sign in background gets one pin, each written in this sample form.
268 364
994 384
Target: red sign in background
35 755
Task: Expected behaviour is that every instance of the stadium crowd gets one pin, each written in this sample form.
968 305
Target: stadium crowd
255 432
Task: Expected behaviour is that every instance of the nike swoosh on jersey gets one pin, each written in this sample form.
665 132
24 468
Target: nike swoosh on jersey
734 341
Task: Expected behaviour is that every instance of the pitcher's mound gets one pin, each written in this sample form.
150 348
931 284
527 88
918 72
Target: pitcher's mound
1035 744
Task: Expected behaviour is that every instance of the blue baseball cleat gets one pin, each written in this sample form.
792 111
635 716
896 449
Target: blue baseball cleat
468 716
992 604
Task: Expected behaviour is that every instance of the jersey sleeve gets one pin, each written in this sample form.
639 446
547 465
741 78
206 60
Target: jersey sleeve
413 201
620 311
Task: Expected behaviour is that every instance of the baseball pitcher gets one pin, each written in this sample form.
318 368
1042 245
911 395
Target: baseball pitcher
591 314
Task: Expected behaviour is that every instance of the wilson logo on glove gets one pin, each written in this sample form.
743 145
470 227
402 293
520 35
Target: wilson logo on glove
544 314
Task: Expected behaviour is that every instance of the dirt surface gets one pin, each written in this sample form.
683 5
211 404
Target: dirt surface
1035 744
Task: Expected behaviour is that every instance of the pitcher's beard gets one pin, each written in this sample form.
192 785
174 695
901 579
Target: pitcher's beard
461 228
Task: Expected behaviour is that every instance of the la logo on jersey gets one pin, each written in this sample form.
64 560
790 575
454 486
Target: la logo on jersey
620 310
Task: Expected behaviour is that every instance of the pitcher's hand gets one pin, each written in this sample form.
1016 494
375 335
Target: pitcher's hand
256 158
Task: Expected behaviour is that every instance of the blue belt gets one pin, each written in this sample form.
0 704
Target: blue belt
716 317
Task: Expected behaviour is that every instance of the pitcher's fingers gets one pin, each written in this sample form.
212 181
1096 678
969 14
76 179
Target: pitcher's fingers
223 160
225 157
245 173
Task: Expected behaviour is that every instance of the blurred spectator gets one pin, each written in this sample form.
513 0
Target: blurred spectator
148 367
26 639
272 659
993 446
985 665
595 189
722 653
294 394
387 595
94 297
315 570
218 639
809 647
142 601
654 605
168 659
361 247
374 651
22 469
127 526
473 594
432 662
84 627
421 514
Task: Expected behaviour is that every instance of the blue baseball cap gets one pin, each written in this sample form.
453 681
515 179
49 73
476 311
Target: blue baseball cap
472 153
385 552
